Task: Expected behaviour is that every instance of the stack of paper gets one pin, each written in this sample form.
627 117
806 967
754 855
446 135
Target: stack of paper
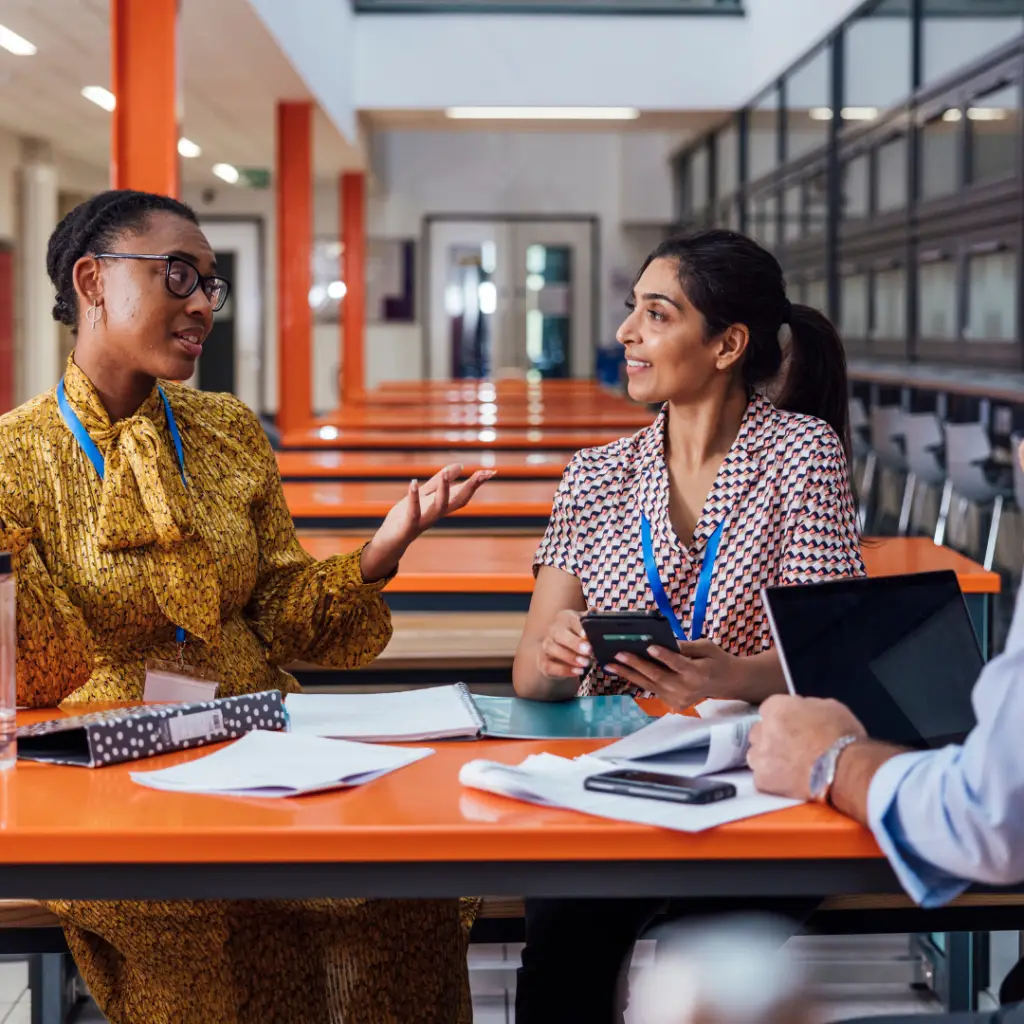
277 764
434 713
694 746
558 782
714 745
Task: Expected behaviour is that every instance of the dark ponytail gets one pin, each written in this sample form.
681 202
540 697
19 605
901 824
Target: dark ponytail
730 279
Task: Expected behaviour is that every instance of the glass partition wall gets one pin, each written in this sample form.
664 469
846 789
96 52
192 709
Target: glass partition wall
884 169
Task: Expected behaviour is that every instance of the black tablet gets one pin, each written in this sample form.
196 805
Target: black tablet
899 651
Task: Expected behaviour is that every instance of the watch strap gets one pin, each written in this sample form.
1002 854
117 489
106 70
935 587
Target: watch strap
823 775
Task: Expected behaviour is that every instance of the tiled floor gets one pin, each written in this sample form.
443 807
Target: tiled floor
855 977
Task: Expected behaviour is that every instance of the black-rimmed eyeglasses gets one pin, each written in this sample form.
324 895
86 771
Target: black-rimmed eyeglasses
182 278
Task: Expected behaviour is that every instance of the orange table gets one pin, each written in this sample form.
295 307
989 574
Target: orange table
501 504
405 466
94 834
494 573
551 416
482 439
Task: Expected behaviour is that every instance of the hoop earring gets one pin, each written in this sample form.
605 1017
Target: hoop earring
93 314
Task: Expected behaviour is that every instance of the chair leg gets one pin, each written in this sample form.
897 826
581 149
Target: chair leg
943 521
47 988
867 488
908 504
993 532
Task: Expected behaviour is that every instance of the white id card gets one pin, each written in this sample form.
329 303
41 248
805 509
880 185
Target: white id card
166 683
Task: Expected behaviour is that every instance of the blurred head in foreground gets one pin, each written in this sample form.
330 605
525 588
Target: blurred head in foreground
725 971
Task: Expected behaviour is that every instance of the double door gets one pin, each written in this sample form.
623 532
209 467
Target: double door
510 298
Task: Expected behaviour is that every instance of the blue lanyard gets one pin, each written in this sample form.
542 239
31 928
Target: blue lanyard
88 445
700 600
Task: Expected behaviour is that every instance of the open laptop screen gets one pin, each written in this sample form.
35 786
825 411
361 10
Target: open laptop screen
899 651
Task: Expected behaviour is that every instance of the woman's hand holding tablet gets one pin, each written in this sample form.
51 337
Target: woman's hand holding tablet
681 677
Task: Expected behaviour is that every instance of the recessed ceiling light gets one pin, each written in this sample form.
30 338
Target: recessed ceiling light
542 113
986 113
15 44
101 97
187 148
859 113
227 173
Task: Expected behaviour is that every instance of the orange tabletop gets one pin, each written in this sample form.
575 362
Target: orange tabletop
386 465
486 438
327 502
551 416
414 832
439 563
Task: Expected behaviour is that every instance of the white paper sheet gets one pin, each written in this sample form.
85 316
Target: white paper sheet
278 764
558 782
433 713
702 746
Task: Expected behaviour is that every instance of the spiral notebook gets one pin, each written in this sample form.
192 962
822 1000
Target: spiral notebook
452 712
433 713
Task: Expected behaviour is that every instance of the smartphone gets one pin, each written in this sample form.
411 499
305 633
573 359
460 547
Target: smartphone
612 633
656 786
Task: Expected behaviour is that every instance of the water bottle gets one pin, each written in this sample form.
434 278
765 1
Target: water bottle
8 663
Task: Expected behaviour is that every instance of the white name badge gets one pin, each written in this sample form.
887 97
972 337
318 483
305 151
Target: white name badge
166 683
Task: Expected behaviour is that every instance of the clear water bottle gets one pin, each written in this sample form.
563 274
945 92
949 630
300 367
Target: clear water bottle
8 664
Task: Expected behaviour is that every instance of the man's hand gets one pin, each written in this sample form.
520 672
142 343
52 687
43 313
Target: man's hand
792 734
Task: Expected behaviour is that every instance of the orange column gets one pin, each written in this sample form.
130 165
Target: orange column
144 80
294 259
353 268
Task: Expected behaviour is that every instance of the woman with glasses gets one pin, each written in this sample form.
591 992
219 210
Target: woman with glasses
147 522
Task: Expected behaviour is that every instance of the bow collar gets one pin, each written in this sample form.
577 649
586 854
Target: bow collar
144 502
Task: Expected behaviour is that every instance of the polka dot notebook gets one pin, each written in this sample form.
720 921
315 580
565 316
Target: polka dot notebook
129 734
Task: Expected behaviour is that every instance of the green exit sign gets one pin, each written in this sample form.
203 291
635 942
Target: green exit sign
254 177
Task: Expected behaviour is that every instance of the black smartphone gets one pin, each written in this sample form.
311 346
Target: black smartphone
656 786
612 633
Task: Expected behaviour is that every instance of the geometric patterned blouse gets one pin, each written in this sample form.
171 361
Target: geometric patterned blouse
783 492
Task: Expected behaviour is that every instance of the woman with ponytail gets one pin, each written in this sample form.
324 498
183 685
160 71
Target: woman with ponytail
740 483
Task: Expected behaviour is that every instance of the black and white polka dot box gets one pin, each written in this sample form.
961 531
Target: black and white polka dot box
113 736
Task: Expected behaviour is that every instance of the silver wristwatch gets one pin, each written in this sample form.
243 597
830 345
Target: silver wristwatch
823 772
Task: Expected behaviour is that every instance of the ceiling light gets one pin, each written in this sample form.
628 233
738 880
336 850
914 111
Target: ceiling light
336 290
187 148
226 173
15 44
820 113
542 113
952 115
859 113
986 113
101 97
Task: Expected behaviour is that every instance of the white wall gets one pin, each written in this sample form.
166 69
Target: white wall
317 37
622 179
655 63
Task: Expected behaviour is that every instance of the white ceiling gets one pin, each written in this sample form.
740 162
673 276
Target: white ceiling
232 76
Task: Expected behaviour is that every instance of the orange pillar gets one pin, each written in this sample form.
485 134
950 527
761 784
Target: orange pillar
294 260
144 80
353 268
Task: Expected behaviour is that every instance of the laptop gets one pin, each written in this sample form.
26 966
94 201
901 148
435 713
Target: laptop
899 651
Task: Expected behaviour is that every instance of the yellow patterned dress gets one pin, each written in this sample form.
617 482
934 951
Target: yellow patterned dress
106 570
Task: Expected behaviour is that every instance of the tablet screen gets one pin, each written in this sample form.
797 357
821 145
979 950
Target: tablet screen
899 651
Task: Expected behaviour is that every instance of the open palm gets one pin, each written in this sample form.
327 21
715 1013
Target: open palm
420 509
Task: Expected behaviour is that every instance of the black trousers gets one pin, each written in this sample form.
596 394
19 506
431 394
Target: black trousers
578 951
